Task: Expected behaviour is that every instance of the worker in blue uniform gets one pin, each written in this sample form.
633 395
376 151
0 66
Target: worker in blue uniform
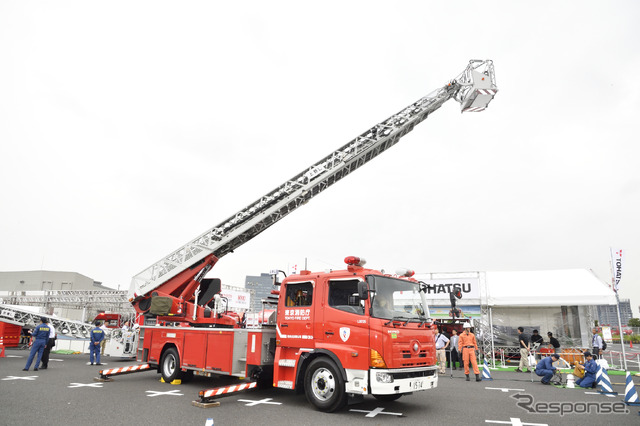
590 370
545 368
97 335
41 336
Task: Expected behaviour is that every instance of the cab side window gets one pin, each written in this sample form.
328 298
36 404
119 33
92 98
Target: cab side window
299 294
343 295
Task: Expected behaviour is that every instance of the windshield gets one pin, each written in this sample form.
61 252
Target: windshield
395 298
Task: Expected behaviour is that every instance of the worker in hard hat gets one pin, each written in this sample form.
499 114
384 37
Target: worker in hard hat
468 346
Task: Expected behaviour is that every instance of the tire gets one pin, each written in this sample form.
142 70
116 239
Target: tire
388 398
170 365
263 376
324 386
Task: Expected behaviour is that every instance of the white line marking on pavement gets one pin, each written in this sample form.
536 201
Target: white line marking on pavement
172 392
515 422
20 378
80 385
251 403
598 393
506 389
375 412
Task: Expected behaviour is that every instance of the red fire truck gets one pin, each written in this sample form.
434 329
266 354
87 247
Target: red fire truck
337 335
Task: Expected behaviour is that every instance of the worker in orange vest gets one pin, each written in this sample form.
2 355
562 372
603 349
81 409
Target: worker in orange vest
468 346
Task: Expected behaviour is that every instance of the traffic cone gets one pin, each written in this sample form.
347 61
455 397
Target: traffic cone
486 374
630 394
602 379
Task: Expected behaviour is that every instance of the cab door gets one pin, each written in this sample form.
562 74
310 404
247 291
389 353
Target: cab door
345 325
295 330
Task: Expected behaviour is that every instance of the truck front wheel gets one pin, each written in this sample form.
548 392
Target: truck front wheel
170 365
324 386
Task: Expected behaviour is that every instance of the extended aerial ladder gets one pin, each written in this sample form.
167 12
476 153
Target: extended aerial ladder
174 289
73 299
25 318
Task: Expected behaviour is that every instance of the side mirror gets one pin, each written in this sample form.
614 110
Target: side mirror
363 290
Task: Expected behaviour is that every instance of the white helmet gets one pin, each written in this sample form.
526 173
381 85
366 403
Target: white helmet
466 325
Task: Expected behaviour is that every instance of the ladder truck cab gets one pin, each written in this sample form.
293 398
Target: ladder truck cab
337 334
345 334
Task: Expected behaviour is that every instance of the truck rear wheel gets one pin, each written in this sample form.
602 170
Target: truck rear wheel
324 386
170 365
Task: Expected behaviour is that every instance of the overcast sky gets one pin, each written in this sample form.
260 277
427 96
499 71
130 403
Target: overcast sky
129 128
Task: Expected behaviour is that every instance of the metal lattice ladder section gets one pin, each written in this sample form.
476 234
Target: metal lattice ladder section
26 318
473 88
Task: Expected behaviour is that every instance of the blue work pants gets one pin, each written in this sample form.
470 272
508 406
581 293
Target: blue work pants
548 374
585 382
37 347
94 349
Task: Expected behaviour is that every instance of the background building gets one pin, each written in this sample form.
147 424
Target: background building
260 288
69 295
20 282
608 315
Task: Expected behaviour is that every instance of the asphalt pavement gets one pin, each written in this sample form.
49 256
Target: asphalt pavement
66 393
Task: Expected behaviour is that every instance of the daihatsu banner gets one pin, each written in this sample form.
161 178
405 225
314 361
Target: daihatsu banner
439 289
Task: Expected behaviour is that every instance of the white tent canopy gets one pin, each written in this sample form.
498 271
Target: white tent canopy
566 287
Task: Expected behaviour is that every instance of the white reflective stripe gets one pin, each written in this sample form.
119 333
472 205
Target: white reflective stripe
282 336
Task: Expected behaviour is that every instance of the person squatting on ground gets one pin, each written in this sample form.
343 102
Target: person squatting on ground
468 346
590 370
41 336
545 368
524 351
47 349
97 336
442 342
453 348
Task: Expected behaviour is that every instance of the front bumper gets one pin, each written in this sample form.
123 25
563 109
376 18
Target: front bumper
402 380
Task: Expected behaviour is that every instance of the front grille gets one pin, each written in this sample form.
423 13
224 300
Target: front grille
413 374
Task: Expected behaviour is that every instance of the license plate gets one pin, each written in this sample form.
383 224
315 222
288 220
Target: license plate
418 384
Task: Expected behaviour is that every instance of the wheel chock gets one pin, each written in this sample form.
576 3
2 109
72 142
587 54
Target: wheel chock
205 404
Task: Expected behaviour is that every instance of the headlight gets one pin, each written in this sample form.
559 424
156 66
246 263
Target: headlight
384 378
